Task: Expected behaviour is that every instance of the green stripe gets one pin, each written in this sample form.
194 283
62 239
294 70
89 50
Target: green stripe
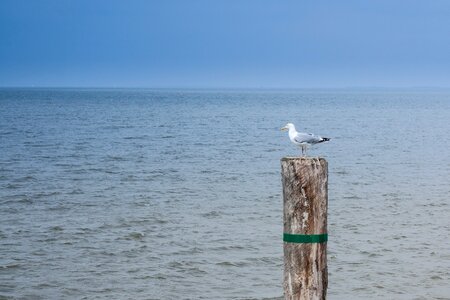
305 238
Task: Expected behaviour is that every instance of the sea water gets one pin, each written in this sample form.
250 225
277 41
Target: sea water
176 194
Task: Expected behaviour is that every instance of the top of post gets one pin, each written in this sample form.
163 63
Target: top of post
304 159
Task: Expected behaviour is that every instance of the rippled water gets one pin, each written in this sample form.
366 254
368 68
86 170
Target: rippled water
172 194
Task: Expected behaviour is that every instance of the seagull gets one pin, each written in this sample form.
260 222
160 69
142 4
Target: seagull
304 140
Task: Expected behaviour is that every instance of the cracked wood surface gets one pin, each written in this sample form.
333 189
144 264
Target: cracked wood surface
305 201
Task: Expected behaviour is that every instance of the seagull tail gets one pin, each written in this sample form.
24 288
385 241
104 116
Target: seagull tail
324 139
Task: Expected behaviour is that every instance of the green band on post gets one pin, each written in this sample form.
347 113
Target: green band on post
305 238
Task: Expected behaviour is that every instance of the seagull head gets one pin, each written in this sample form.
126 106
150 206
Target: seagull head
288 126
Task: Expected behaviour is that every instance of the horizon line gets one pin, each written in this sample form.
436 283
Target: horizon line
225 87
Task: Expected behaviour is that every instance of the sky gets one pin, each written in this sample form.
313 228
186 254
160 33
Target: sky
225 43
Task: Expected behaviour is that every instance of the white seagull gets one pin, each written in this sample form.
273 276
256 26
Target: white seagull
304 140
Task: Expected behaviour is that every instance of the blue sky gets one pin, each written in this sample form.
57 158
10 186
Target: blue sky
225 43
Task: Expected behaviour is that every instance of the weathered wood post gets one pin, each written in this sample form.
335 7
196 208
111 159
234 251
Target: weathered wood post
305 202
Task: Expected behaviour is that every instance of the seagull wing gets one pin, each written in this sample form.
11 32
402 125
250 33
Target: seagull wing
307 138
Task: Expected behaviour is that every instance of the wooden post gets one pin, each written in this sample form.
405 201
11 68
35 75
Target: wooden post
305 200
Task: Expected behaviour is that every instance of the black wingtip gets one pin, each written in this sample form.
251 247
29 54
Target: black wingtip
324 139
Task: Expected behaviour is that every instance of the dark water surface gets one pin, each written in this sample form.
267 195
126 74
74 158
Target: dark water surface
175 194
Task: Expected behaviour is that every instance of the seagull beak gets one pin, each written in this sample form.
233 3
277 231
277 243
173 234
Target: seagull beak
283 128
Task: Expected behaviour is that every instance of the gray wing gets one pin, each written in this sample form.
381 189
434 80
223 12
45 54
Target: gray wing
308 138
